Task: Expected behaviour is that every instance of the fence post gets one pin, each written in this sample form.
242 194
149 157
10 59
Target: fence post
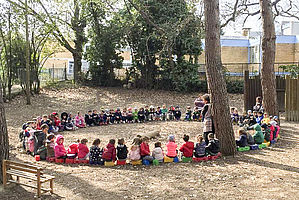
53 72
246 90
297 99
65 76
287 96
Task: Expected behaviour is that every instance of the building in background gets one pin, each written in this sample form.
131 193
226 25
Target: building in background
239 53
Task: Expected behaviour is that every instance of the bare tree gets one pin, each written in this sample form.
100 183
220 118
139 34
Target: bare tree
216 82
268 47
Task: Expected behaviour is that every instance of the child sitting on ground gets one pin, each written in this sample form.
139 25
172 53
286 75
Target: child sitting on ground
200 147
171 113
134 154
259 118
266 119
95 117
146 113
171 147
164 112
177 113
141 116
187 148
124 115
135 115
111 116
130 115
50 145
145 151
83 151
188 116
109 153
72 151
213 146
235 117
79 120
267 132
60 151
158 114
118 115
196 114
258 135
122 150
242 142
151 113
89 119
158 152
95 155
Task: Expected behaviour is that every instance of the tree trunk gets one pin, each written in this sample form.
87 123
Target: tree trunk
216 82
27 56
4 146
268 48
77 66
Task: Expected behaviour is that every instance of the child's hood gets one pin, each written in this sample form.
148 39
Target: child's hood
257 127
58 138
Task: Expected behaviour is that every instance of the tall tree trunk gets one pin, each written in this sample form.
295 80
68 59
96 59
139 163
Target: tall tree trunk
77 65
27 57
4 145
268 48
216 82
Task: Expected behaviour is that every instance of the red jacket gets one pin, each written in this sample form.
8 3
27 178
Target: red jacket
187 149
83 150
73 148
109 152
144 149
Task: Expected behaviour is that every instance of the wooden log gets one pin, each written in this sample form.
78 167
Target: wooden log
4 173
151 134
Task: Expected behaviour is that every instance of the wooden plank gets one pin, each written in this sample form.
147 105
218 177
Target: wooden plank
23 165
31 186
38 184
52 186
22 169
4 173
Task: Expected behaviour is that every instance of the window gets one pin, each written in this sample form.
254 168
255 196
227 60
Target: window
71 67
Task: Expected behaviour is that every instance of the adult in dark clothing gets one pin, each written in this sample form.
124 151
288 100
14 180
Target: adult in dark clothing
259 105
206 114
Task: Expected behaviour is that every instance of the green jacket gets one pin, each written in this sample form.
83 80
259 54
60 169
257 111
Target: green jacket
135 114
164 110
258 135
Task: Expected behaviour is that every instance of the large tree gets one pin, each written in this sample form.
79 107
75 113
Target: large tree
4 146
268 58
216 82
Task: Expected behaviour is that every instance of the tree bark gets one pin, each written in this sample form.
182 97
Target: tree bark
4 145
268 48
216 82
27 57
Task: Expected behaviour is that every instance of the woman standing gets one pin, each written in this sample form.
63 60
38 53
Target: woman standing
206 114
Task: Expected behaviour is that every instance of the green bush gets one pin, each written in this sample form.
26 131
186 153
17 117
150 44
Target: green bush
235 86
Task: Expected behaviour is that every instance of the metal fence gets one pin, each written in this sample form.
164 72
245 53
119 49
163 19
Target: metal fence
55 74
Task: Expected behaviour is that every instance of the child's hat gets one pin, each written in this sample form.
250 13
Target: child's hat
171 138
118 109
275 117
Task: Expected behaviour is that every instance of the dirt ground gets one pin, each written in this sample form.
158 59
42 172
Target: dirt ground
272 173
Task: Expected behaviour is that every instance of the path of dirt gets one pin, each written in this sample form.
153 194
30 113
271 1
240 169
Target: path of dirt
272 173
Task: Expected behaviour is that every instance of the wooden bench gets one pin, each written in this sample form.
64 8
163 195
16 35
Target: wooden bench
26 171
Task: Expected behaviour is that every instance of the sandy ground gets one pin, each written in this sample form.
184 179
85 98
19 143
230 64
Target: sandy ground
272 173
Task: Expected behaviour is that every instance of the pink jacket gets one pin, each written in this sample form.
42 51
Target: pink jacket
59 148
79 120
171 149
83 150
135 155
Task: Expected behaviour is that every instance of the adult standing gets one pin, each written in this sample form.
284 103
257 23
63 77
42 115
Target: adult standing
199 103
206 114
259 105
